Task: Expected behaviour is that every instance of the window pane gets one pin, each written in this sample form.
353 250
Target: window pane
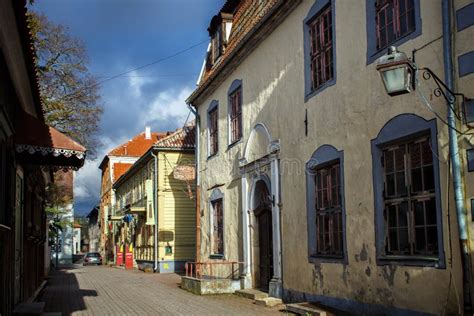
415 155
420 239
404 244
428 178
432 242
427 153
401 186
419 213
390 183
392 216
430 206
400 159
393 236
389 161
403 214
416 181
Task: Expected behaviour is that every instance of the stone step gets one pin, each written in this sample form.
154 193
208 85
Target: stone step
252 294
308 309
34 308
268 301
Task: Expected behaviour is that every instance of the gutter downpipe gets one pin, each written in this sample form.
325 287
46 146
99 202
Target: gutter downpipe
454 153
155 211
198 187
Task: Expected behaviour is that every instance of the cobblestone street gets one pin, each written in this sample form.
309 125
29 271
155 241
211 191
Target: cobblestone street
103 290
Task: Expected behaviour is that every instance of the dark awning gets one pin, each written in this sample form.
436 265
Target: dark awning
40 144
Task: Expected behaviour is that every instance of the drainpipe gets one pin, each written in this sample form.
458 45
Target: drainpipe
198 186
155 211
455 160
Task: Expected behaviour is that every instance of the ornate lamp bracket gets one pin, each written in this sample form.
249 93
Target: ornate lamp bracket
442 89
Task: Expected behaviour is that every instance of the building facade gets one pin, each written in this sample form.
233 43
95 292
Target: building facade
93 230
148 194
114 164
326 188
30 151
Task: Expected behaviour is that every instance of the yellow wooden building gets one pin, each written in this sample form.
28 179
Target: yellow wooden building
166 197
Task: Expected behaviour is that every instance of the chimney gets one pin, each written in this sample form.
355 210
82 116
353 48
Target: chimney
147 132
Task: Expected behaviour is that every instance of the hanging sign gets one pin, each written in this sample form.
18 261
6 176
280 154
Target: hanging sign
184 172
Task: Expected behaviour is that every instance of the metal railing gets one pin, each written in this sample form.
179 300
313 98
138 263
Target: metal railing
213 270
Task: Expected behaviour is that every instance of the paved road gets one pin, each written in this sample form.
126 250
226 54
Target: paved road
110 291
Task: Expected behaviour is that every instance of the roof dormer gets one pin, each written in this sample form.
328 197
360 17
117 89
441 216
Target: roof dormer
219 31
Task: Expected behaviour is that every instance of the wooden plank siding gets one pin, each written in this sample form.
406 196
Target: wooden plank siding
177 219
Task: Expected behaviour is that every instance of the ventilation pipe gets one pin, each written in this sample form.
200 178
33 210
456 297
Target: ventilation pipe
155 211
198 185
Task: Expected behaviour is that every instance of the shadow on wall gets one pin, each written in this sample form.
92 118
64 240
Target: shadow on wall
63 293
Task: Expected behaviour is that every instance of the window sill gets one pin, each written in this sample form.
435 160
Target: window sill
411 261
216 257
235 143
325 85
212 156
327 259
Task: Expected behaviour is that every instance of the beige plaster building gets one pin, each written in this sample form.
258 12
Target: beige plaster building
325 187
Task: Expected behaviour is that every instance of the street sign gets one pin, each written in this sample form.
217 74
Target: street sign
184 173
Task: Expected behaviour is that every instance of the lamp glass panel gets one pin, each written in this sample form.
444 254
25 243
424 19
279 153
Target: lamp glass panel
395 79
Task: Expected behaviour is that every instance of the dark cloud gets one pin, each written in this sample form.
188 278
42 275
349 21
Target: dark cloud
121 35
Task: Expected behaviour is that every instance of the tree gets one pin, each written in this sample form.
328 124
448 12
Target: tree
68 91
59 194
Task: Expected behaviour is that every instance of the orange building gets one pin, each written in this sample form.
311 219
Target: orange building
114 164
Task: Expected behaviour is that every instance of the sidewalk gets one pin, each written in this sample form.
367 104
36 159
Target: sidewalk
103 290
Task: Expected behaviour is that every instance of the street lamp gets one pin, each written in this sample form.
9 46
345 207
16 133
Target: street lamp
396 71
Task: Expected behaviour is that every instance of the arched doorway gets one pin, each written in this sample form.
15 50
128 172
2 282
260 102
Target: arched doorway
260 193
263 215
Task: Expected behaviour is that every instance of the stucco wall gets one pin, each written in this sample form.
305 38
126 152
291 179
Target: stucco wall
347 116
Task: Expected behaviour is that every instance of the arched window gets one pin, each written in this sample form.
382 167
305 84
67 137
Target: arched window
407 193
325 205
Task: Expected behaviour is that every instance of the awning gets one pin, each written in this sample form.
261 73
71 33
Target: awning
40 144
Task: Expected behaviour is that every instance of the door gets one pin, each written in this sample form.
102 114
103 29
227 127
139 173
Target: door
266 247
18 237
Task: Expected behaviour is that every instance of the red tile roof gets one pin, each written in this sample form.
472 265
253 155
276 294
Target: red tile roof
120 169
137 146
182 138
34 132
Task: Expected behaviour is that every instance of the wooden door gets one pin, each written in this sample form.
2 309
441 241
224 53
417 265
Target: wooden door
266 247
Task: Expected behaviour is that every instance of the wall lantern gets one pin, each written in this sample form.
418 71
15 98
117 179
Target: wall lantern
396 71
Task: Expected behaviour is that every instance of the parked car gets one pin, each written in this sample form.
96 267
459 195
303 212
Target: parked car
92 258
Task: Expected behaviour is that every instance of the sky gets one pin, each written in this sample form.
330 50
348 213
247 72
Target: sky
119 36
